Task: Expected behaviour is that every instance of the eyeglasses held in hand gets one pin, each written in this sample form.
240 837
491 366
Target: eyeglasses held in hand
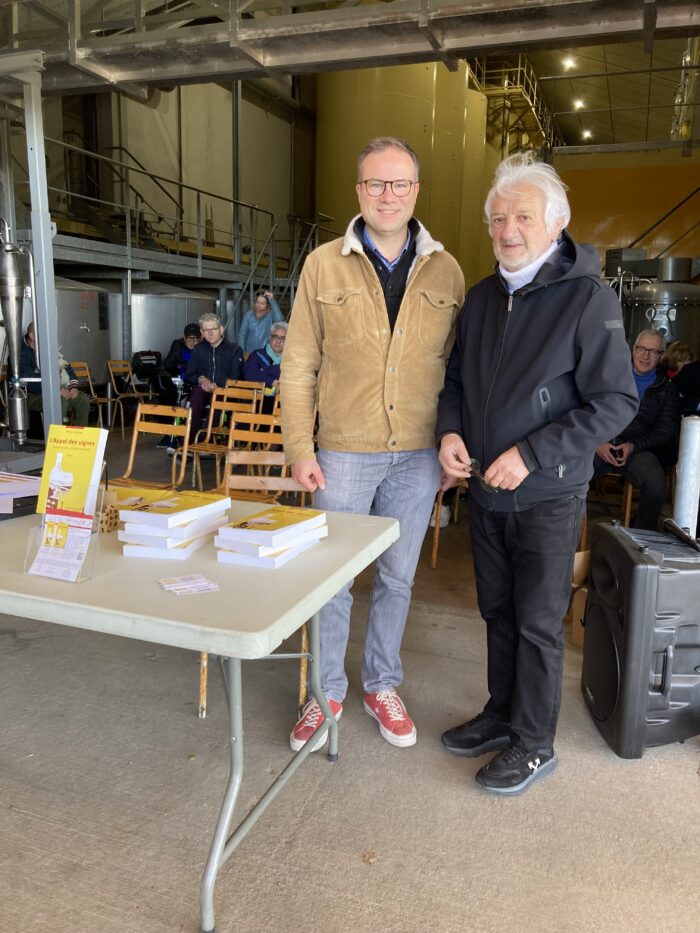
375 187
475 468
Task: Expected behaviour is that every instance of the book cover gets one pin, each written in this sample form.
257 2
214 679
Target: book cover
205 527
183 550
178 533
167 508
276 526
271 562
72 469
264 550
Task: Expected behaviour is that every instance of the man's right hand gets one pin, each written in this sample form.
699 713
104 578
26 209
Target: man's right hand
454 457
606 452
309 474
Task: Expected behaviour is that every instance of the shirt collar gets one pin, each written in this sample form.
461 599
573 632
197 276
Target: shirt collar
389 264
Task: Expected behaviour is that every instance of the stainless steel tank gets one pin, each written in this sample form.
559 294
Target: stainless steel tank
159 313
83 324
672 308
15 285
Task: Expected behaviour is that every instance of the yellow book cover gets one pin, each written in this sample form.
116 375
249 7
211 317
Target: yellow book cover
167 508
72 468
277 526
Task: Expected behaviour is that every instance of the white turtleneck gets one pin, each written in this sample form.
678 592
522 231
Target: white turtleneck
516 280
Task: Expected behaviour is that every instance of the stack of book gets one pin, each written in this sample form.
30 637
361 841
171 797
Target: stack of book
166 524
270 538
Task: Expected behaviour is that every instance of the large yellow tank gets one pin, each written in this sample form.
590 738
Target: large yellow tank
434 110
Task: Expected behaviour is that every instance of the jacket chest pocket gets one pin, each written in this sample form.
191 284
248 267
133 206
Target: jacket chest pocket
436 316
342 316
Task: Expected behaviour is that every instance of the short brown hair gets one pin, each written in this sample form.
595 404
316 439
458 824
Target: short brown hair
379 144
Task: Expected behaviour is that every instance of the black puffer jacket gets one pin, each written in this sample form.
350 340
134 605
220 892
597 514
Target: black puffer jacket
546 369
216 363
657 424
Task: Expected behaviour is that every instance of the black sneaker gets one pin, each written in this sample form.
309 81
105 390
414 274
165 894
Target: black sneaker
512 771
165 442
481 734
174 443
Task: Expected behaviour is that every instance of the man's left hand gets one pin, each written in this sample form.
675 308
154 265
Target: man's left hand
624 452
507 471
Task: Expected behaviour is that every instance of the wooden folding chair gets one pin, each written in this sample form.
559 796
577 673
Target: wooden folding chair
462 484
121 370
149 420
248 385
216 439
84 377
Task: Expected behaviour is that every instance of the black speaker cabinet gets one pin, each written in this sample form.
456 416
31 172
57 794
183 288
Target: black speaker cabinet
641 653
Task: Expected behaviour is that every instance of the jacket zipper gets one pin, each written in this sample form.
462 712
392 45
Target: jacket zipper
493 379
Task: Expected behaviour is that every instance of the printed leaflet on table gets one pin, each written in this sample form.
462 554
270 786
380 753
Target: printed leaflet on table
68 499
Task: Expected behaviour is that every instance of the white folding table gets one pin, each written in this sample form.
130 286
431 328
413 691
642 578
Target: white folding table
253 612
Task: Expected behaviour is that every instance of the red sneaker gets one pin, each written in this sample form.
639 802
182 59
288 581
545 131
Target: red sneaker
395 725
311 719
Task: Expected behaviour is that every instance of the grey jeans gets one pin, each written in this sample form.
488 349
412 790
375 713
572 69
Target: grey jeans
402 485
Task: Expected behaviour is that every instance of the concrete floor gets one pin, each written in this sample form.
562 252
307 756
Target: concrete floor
110 787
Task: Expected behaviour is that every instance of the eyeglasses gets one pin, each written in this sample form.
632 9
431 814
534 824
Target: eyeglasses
375 187
475 468
278 337
211 330
648 351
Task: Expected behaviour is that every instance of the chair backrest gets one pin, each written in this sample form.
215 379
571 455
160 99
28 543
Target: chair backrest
225 404
255 442
264 485
82 374
121 369
245 384
149 420
248 389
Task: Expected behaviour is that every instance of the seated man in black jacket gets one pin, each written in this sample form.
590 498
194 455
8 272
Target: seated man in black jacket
213 361
649 443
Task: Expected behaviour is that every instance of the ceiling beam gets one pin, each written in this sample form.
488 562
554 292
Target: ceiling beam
365 35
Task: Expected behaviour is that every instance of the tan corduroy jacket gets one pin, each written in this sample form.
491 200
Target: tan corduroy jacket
375 391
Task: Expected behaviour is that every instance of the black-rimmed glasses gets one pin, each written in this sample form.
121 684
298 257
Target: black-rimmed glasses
475 468
375 187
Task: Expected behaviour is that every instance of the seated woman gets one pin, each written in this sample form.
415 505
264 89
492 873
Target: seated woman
263 365
257 322
680 366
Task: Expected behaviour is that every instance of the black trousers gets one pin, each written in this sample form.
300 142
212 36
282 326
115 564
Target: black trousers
646 472
523 563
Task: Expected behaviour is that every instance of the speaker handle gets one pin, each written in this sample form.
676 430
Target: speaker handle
667 673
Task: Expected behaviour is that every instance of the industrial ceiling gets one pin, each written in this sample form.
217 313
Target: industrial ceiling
609 72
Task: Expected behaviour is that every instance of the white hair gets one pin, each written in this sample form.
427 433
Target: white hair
524 169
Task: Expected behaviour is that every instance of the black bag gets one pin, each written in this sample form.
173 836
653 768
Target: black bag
146 364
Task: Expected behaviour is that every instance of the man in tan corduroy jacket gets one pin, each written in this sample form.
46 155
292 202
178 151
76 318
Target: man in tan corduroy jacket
371 328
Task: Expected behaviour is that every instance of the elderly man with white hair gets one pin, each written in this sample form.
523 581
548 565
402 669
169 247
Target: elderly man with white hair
539 376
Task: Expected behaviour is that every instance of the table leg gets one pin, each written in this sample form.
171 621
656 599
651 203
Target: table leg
222 848
215 860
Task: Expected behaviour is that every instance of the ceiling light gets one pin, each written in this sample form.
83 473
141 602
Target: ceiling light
586 134
578 104
569 62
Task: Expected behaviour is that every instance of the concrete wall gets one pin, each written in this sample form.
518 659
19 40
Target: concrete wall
186 135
